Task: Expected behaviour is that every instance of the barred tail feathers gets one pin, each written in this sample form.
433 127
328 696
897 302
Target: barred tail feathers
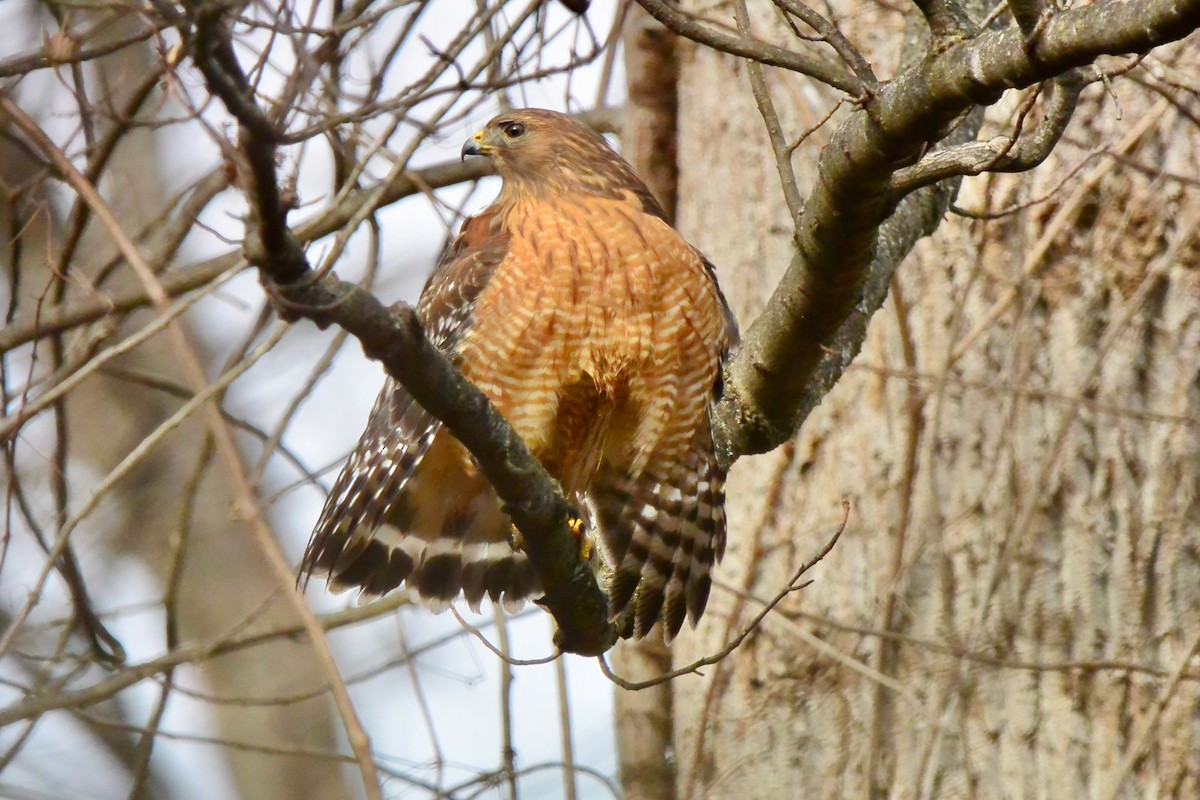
662 533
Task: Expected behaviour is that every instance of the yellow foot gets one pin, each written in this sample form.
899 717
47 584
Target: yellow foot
515 539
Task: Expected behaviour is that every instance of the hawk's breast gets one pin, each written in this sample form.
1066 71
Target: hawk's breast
599 331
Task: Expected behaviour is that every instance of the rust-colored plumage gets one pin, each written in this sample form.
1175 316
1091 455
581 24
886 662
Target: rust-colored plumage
599 333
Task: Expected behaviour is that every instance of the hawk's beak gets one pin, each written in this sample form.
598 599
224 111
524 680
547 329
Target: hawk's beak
473 146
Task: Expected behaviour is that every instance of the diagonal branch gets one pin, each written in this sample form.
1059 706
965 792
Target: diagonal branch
814 65
1017 153
770 386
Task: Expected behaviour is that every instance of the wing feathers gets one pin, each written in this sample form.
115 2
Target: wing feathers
377 530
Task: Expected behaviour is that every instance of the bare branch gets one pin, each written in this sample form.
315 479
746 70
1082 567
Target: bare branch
833 37
766 107
791 586
948 22
810 64
25 63
1019 153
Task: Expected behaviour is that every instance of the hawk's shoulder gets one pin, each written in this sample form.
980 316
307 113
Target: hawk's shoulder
446 304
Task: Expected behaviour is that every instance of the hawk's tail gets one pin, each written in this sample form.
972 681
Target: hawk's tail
437 571
662 531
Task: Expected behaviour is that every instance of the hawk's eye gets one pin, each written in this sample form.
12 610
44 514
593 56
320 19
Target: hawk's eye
513 129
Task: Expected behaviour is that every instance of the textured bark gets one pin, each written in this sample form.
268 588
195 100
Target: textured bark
1020 579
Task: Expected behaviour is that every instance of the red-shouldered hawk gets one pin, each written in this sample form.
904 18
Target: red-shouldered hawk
599 333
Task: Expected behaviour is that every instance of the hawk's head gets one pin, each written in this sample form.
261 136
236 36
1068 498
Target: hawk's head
541 151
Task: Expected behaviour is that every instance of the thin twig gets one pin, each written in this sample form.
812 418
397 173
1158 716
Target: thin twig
507 751
766 107
694 668
500 651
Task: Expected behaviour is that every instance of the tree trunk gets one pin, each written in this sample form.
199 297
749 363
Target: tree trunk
1018 589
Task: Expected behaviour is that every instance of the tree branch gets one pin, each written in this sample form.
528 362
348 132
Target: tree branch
813 65
832 36
948 22
770 385
1017 153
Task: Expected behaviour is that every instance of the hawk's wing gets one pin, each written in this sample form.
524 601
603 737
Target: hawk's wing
399 431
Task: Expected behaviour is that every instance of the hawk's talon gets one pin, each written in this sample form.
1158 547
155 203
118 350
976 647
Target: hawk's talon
516 540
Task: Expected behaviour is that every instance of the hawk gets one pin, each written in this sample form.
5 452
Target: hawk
599 334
